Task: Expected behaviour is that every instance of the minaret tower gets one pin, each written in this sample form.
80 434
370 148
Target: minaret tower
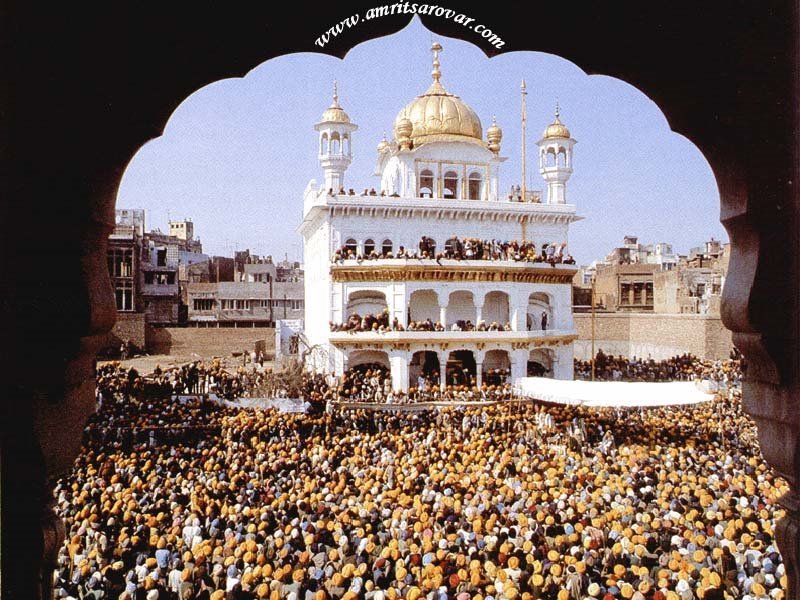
335 143
555 159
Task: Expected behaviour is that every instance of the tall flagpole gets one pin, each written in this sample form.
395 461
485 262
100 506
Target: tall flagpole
524 92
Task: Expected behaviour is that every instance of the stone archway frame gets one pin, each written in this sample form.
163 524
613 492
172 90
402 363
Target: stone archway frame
733 94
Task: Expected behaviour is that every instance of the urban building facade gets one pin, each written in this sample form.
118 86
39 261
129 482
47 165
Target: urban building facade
243 303
145 270
654 279
460 276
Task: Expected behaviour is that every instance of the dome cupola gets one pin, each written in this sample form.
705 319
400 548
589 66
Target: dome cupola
438 116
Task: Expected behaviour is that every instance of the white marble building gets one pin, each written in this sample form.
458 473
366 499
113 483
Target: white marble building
439 178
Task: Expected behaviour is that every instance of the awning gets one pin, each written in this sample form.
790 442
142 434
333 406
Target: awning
614 393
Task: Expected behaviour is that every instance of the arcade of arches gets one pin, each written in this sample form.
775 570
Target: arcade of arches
726 77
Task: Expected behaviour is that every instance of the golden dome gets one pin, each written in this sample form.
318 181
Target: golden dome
335 113
438 116
556 129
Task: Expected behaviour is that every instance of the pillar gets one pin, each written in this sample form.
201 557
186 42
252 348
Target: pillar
479 355
443 315
519 364
343 364
519 313
442 369
563 362
398 362
478 313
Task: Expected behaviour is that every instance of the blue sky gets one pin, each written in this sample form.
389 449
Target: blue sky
237 154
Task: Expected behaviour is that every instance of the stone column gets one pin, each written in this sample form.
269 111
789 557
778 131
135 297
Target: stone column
442 369
518 312
398 360
563 362
479 355
342 363
443 315
519 364
478 313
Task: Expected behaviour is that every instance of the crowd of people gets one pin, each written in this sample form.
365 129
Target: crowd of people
685 367
381 323
209 379
467 248
369 322
509 501
372 383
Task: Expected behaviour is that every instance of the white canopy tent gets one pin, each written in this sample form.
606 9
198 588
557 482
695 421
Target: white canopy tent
614 393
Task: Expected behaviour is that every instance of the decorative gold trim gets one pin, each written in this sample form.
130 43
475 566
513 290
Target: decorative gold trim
372 273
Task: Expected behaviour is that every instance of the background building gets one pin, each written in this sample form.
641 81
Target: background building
243 303
653 279
145 270
652 302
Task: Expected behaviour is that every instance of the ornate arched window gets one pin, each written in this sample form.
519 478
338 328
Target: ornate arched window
450 185
475 182
369 247
426 184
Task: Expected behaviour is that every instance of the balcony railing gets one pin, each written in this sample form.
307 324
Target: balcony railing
389 337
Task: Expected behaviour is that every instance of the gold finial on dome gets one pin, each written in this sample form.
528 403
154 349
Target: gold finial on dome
402 133
383 145
495 135
556 129
436 47
335 113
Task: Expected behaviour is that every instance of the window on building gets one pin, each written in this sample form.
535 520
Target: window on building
369 247
149 277
451 185
426 184
120 262
475 181
123 295
351 246
386 247
205 304
161 257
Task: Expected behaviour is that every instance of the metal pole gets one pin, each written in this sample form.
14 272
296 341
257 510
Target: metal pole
524 92
271 314
593 354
